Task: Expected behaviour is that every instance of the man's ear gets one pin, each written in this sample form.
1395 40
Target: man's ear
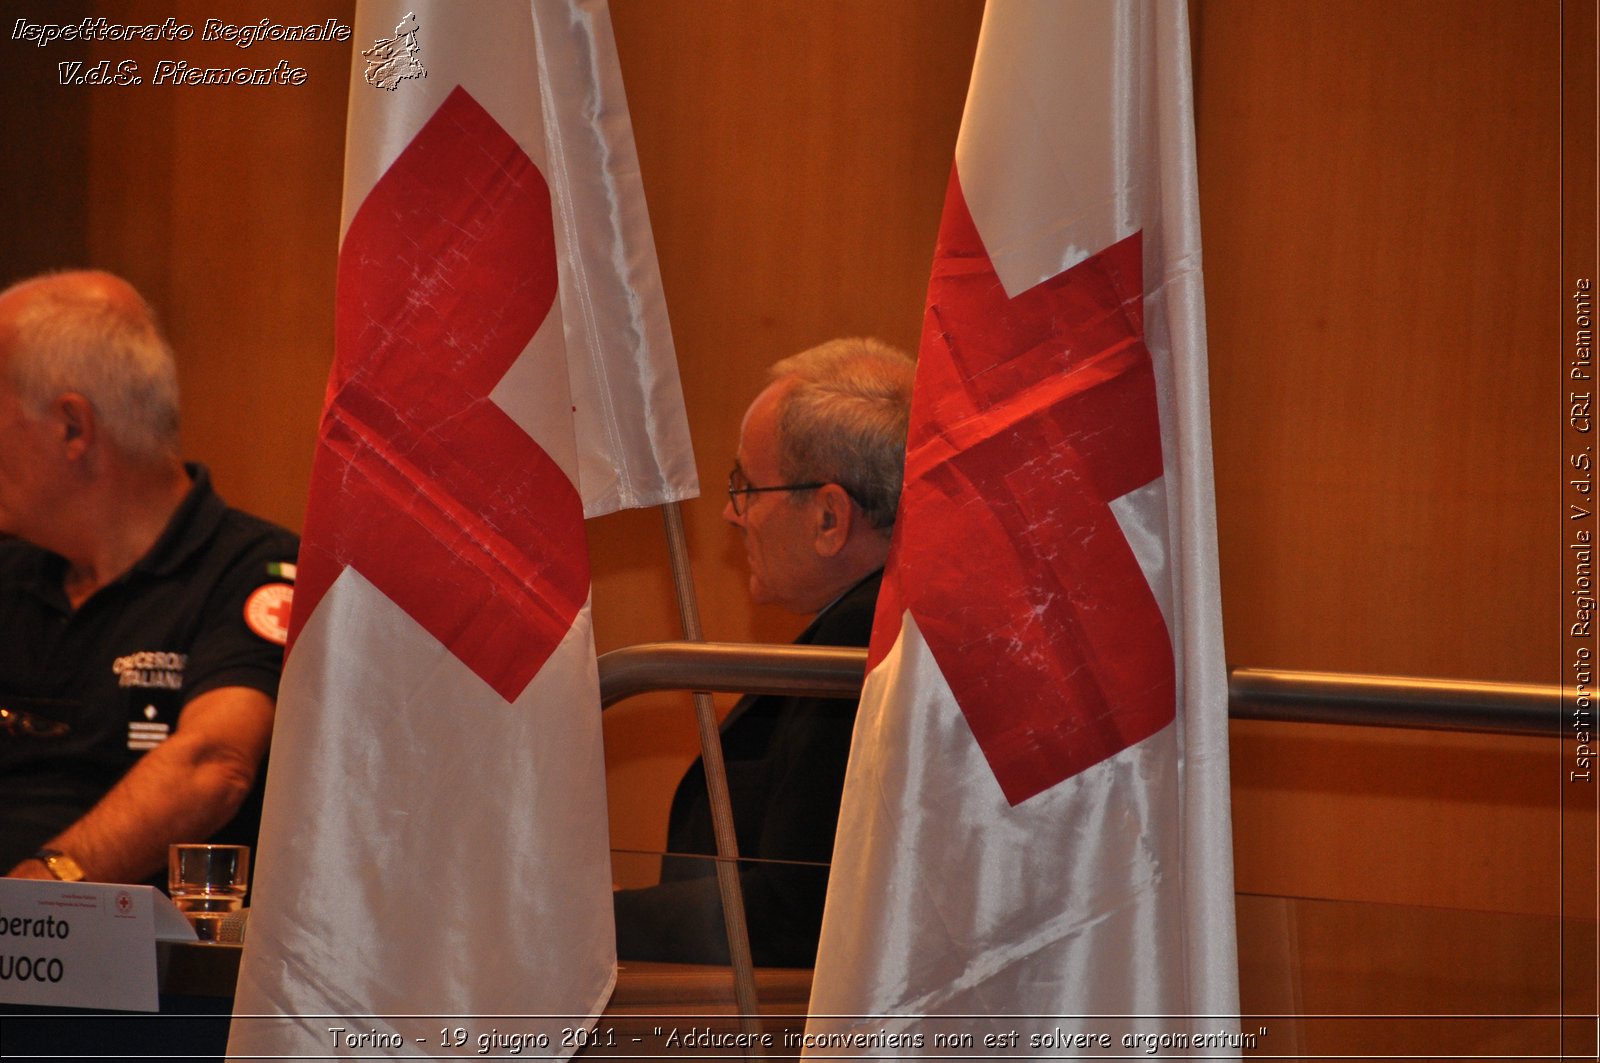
834 516
75 418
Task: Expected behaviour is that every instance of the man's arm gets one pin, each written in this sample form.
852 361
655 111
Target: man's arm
183 790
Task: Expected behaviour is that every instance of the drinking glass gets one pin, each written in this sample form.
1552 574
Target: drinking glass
208 883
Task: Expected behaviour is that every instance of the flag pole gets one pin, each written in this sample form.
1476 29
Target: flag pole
744 984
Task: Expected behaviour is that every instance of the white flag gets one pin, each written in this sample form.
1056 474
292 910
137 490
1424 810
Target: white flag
434 844
1035 825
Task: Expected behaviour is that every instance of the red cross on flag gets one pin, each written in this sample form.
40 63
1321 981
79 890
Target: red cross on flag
1035 824
435 842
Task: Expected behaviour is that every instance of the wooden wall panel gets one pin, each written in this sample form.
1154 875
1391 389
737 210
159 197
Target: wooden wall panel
44 170
1381 232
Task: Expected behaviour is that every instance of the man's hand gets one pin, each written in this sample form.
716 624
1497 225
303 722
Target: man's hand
31 868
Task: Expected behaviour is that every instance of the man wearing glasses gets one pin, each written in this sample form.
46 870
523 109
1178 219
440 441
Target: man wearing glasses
813 492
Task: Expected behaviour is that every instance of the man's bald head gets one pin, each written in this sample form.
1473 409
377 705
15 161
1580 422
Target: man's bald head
90 333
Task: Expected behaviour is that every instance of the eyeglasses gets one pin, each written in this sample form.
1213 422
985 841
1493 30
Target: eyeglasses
738 487
14 723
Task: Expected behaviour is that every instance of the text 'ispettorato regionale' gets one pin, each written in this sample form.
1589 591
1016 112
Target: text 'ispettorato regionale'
172 71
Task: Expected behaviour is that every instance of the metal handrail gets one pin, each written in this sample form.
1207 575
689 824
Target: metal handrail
731 667
1395 701
1253 693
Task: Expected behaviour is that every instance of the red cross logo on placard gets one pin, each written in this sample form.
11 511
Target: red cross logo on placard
421 483
1031 415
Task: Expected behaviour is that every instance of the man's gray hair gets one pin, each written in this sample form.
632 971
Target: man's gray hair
70 337
844 421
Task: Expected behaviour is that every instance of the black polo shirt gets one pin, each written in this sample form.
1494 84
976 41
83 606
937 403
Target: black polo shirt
87 692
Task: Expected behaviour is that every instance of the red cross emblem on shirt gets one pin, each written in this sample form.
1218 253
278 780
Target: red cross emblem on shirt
268 610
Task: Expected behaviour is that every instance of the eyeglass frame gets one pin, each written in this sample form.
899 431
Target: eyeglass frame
748 489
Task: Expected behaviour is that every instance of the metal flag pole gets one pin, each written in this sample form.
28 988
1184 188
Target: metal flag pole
744 981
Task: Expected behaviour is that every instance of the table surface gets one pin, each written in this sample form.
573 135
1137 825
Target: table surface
212 970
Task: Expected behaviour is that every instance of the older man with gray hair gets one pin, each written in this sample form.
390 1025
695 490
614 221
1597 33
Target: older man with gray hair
813 492
142 621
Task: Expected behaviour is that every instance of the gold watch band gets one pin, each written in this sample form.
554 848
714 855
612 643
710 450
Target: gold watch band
60 865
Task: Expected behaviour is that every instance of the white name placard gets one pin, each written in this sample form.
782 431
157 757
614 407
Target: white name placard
83 944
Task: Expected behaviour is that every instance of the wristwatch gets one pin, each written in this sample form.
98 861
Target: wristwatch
60 865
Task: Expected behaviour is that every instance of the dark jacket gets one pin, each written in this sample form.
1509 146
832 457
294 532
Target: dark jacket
786 760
